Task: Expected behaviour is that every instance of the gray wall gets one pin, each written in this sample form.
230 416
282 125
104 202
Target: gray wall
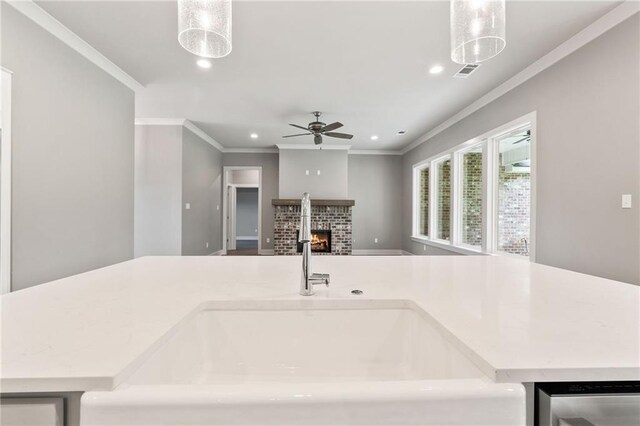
202 188
332 182
158 190
73 131
247 212
244 177
374 183
269 164
587 155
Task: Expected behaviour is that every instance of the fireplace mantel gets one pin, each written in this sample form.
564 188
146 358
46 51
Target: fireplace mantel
296 202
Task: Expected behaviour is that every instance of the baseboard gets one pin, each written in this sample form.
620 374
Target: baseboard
217 253
249 238
266 252
378 252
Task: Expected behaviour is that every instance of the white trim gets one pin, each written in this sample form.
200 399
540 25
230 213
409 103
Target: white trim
266 252
247 238
407 253
5 182
250 150
71 39
313 147
199 132
373 152
588 34
225 185
184 123
217 253
377 252
446 246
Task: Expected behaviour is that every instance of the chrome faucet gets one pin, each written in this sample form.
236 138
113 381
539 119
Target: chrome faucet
308 279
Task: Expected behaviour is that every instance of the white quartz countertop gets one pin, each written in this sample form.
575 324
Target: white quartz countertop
519 322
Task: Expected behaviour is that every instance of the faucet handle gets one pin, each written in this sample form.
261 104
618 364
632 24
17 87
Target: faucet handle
317 279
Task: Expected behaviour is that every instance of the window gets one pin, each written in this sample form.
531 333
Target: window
423 214
477 196
471 197
443 217
514 192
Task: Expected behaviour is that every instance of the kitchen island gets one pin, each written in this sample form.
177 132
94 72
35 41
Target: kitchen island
516 321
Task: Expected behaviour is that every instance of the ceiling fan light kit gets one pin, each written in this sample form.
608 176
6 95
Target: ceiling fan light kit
477 30
204 27
319 129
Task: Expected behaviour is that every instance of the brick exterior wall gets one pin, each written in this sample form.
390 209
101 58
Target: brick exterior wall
514 193
338 219
472 199
424 202
444 200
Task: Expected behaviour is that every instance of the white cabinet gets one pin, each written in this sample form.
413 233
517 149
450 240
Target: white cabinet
31 411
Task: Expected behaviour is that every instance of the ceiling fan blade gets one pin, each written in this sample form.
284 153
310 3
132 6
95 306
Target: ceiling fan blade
299 134
317 139
526 138
299 127
338 135
332 126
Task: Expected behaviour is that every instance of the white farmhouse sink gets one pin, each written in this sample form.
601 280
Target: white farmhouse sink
298 363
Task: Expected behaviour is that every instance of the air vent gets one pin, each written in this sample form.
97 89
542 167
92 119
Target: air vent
466 71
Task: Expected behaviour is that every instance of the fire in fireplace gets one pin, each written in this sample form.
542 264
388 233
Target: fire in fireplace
320 241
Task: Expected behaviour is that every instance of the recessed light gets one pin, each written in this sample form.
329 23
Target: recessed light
203 63
254 136
436 69
402 132
374 138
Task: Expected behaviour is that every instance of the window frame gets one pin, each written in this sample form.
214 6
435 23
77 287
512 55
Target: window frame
490 154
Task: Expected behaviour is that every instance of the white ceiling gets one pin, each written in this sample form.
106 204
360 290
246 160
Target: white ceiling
362 63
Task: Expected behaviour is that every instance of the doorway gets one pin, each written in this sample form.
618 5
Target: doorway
242 199
5 181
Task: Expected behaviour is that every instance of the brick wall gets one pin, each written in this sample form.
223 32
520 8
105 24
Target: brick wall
444 200
514 193
472 199
424 202
338 219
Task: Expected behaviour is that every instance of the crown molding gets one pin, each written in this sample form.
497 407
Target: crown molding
313 147
184 123
250 150
38 15
373 152
199 132
588 34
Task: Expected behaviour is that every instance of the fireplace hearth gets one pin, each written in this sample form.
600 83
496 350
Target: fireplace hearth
320 241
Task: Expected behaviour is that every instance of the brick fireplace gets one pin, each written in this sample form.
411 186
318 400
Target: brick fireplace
333 216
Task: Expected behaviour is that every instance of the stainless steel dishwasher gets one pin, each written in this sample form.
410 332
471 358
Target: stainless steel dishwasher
588 404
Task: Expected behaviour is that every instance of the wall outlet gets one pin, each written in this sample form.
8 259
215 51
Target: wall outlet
207 244
626 201
268 240
217 206
424 247
187 206
318 172
375 240
306 172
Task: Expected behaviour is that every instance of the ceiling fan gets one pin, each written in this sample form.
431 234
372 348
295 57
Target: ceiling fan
527 137
319 129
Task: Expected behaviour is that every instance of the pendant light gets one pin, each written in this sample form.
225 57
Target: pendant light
477 30
204 27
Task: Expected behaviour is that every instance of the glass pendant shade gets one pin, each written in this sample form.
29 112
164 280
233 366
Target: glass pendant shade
204 27
477 30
